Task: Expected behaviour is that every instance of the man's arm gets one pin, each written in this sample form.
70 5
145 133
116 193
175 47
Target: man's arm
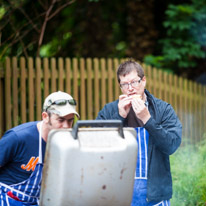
8 147
166 135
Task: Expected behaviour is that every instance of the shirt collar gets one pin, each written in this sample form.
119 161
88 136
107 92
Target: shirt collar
146 101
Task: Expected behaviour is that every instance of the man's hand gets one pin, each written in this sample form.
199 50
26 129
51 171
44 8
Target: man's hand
140 110
124 105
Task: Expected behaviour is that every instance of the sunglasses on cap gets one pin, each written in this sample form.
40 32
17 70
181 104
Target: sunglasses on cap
61 102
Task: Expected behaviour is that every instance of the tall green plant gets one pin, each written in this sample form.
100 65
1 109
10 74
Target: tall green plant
185 40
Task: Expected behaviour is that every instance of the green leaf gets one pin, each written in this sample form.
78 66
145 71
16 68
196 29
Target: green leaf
2 12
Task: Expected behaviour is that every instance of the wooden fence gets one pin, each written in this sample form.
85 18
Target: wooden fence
24 83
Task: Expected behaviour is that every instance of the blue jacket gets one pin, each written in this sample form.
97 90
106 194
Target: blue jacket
165 131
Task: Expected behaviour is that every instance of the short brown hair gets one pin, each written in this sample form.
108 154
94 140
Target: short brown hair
128 66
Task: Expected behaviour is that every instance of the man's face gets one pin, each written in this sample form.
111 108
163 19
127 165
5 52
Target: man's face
56 122
132 84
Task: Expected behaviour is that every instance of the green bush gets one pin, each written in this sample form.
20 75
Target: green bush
188 166
185 39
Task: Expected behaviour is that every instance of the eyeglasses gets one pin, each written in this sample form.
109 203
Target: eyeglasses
61 102
134 83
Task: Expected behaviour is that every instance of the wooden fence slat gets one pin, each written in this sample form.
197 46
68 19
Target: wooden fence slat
189 107
68 76
110 81
89 89
8 93
15 91
75 81
185 108
82 89
160 84
61 74
31 89
116 84
199 112
53 75
38 89
175 93
170 89
96 86
202 114
181 111
155 81
195 116
103 82
193 113
46 77
165 87
148 75
23 89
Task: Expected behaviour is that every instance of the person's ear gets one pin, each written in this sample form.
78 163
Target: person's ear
144 80
45 117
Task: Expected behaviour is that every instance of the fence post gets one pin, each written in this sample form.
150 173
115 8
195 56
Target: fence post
15 91
23 89
82 89
96 87
90 93
38 89
31 89
8 93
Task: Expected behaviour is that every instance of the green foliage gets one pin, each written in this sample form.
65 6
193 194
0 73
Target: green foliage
185 39
51 48
156 61
72 28
188 167
2 12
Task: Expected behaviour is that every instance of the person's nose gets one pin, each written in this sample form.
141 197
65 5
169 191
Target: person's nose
130 87
66 124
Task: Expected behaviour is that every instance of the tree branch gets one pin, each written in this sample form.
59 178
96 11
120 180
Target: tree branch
44 26
30 21
60 8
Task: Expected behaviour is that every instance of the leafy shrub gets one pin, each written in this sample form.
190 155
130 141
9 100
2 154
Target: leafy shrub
185 40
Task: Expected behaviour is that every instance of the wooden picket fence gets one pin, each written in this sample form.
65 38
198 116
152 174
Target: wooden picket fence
24 84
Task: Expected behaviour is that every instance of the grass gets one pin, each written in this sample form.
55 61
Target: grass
188 166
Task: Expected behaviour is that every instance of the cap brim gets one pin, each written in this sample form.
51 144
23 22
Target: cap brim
65 113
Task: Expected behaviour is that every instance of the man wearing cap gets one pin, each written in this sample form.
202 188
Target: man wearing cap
22 150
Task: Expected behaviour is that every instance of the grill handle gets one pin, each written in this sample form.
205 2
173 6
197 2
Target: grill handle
98 123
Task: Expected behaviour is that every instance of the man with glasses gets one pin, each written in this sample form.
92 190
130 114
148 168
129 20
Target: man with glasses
159 134
22 150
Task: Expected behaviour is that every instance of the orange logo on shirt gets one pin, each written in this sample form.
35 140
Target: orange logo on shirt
31 164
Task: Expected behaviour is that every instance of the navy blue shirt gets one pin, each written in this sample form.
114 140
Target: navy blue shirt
19 153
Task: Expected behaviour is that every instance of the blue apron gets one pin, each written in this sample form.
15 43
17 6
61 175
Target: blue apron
140 183
26 192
